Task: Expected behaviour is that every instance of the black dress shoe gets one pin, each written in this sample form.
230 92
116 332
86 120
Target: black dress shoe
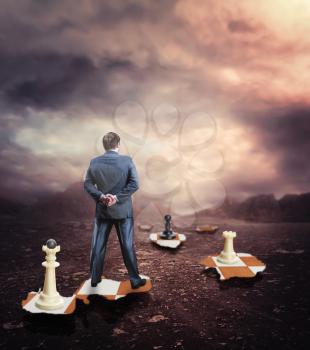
94 284
141 283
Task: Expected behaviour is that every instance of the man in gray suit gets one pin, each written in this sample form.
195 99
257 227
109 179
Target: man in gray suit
110 180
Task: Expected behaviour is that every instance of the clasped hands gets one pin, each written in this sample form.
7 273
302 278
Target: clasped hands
108 199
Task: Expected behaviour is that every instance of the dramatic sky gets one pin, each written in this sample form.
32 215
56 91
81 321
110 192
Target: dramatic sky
211 98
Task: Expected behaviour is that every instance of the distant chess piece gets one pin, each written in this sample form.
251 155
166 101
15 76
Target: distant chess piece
168 233
49 298
228 255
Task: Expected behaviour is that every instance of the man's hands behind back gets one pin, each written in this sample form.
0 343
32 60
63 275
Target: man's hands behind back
108 199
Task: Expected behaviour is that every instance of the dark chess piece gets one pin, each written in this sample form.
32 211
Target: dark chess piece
168 233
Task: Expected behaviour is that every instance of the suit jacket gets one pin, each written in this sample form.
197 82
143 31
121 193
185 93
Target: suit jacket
116 174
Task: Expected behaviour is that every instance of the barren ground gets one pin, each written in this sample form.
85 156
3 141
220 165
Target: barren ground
187 307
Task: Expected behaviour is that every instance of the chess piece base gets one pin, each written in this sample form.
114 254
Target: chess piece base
225 258
163 235
46 302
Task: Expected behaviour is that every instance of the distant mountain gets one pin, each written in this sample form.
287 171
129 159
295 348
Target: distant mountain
263 207
74 204
266 208
295 207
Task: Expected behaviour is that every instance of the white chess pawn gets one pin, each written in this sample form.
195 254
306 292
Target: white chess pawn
49 298
228 255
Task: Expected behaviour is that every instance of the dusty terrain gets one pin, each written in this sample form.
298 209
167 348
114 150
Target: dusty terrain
187 308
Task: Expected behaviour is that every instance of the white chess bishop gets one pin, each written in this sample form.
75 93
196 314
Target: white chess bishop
49 298
228 255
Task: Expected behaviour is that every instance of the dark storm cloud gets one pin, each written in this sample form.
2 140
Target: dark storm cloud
288 135
53 80
44 81
47 59
284 133
114 12
43 24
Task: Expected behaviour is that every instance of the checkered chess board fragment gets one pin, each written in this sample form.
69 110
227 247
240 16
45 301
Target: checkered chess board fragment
110 289
246 266
167 243
29 305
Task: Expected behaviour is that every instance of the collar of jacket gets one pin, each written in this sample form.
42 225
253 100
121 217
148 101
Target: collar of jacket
111 152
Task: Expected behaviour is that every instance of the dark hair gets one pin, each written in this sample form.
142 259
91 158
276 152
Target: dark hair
110 140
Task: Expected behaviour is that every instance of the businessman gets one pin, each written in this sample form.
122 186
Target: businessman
110 180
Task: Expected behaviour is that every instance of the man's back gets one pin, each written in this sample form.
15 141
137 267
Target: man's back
115 174
110 180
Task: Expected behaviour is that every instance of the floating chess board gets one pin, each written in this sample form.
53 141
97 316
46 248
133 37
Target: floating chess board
246 265
167 243
110 289
68 308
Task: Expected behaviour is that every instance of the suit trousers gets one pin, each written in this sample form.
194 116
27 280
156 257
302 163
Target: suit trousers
125 233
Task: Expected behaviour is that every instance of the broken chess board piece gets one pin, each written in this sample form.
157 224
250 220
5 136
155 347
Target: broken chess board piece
110 289
167 238
229 264
206 229
168 243
145 227
49 300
